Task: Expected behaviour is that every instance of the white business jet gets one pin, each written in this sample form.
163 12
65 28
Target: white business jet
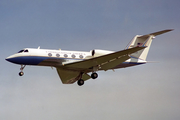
74 66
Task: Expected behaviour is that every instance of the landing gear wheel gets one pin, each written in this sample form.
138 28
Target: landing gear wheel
80 82
94 75
21 73
22 67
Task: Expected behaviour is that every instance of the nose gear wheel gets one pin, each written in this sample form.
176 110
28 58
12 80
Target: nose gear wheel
21 73
22 67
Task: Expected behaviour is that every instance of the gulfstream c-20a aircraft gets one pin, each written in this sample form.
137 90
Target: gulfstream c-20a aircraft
74 66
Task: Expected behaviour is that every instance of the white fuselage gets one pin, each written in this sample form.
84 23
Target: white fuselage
57 58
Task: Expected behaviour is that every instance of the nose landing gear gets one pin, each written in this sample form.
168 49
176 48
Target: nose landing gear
22 73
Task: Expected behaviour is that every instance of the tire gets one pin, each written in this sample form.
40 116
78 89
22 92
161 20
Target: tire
21 73
94 75
80 82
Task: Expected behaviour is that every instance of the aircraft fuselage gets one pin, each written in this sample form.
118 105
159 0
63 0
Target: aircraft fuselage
57 58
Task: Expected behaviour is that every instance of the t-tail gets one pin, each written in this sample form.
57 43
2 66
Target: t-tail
145 41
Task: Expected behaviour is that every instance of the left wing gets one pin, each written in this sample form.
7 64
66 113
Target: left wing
113 63
113 58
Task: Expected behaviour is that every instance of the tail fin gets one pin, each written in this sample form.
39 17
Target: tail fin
143 40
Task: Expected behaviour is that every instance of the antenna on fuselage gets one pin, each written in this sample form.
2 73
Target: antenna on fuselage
39 47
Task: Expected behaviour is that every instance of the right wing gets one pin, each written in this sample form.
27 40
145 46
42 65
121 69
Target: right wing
70 76
71 72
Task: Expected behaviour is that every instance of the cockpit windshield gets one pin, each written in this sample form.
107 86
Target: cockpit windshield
23 51
26 51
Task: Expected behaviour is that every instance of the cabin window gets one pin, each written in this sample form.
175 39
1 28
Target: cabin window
20 51
81 56
57 55
49 54
73 56
65 55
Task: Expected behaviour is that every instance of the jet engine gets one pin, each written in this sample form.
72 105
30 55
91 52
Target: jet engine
97 52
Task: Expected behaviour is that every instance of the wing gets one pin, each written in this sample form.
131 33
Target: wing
71 76
112 59
70 73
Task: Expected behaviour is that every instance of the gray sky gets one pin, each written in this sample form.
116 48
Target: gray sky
147 92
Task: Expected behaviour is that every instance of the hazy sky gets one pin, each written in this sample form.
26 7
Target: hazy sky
147 92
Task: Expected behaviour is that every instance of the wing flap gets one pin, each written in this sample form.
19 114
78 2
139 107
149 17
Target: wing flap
114 63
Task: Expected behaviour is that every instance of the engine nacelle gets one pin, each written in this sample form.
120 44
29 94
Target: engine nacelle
97 52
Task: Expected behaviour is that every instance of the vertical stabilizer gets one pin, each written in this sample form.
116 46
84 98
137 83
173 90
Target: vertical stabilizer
143 40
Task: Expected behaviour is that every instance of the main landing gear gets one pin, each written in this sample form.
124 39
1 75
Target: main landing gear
94 75
22 73
80 82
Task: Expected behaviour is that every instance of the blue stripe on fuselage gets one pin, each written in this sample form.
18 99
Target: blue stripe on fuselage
34 60
27 60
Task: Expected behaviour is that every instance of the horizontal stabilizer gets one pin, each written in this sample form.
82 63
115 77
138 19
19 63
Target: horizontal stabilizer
155 33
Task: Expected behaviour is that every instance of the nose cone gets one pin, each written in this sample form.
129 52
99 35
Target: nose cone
9 59
12 59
